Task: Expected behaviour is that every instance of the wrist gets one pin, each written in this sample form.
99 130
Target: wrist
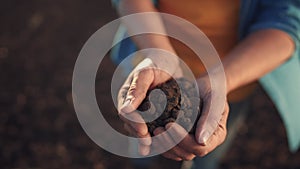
163 59
229 83
231 73
216 80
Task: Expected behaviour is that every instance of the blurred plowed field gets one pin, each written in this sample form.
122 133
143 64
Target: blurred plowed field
39 43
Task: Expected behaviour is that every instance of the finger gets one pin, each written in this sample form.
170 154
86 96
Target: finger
138 89
191 145
171 156
123 92
129 129
176 131
163 139
144 140
223 121
219 134
216 138
144 149
176 151
136 121
209 120
144 143
156 147
188 142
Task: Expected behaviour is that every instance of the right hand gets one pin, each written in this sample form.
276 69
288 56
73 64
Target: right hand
210 130
144 77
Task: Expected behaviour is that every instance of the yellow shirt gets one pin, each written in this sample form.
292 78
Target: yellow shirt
218 19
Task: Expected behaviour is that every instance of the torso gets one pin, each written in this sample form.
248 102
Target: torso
218 19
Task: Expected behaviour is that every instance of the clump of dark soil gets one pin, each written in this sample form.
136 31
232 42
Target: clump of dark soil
178 102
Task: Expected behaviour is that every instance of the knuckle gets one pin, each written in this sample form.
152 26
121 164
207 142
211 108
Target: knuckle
137 92
188 157
156 132
166 155
202 153
223 136
178 159
146 71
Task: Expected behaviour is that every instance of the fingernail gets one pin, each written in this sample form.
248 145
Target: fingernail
141 131
169 125
127 107
203 137
127 102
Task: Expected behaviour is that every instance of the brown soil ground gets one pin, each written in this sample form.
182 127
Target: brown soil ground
39 44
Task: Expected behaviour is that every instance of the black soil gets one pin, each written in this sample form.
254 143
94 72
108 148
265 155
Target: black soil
179 102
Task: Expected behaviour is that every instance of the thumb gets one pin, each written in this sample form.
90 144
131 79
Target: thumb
137 91
209 120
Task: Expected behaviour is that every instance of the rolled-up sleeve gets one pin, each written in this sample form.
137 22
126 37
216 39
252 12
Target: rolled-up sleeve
282 84
279 14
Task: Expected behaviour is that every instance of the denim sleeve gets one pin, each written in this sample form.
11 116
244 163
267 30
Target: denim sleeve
278 14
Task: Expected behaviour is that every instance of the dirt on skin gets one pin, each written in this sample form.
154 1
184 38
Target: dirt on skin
39 44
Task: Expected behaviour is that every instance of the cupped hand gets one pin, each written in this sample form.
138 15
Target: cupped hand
144 77
208 135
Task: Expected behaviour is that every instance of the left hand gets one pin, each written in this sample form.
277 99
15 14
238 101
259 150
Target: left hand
146 75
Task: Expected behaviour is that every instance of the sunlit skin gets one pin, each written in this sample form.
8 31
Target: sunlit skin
259 53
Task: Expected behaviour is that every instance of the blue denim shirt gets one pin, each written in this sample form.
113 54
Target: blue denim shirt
283 84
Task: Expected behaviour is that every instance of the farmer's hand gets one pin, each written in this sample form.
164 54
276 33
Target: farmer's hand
144 77
210 131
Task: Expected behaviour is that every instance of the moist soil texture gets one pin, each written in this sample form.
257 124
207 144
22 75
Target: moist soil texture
178 101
